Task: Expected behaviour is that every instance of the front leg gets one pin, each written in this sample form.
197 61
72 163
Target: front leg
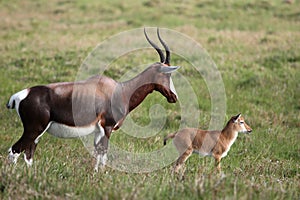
101 153
101 145
27 144
218 163
182 158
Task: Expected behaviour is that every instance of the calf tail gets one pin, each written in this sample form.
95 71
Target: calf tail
172 135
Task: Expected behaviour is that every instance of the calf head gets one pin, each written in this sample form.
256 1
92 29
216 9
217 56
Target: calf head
239 124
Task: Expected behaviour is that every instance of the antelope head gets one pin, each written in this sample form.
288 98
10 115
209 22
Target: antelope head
163 81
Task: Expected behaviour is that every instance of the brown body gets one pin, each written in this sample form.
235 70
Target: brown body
207 143
96 106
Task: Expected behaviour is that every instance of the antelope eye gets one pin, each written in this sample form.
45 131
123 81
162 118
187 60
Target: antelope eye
241 122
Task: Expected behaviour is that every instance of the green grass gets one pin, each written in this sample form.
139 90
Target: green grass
255 45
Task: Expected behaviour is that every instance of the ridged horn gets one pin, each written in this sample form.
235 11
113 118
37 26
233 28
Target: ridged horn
167 60
159 51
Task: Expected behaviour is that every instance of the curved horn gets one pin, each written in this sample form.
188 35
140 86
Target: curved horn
167 60
159 51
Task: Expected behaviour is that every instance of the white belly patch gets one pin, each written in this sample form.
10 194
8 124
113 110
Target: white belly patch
64 131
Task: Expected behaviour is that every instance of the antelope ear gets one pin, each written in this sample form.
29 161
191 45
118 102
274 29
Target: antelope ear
235 118
168 69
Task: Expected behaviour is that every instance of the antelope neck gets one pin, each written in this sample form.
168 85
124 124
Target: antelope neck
135 90
228 133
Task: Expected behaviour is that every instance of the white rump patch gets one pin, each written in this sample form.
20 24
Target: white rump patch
172 87
17 98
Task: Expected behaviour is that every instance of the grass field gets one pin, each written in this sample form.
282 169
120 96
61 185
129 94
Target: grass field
255 45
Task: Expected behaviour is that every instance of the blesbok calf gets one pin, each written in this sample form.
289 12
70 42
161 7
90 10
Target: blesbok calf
207 143
97 106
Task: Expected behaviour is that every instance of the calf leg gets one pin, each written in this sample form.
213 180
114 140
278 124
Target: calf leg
218 163
182 158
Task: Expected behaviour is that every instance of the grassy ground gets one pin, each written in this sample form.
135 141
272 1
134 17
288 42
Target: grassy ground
255 45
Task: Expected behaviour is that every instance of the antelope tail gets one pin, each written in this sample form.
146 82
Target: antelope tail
172 135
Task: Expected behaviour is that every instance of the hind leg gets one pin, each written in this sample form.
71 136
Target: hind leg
13 155
24 144
35 124
27 144
29 152
182 158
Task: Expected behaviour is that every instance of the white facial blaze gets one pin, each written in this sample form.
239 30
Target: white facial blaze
243 128
172 87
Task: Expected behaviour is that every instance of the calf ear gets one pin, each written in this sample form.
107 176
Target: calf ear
235 118
168 69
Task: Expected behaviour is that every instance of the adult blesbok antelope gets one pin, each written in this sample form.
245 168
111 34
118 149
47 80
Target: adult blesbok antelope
97 106
207 143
